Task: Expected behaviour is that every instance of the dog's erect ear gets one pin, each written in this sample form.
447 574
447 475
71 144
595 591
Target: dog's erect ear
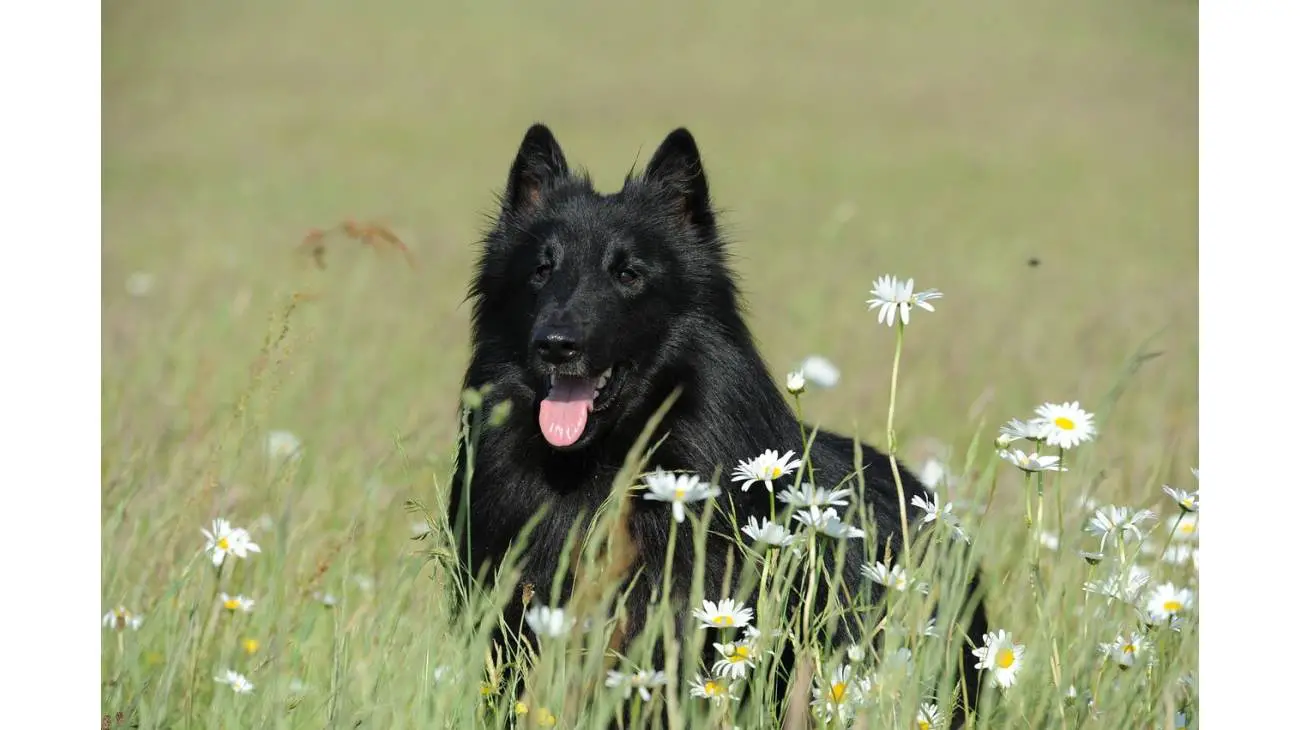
539 162
676 165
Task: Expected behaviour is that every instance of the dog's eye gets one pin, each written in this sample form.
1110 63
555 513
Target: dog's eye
627 277
541 273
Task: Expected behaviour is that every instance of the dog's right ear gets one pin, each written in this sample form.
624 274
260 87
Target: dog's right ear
540 162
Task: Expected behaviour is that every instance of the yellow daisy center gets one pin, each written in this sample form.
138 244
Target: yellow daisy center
223 544
232 603
774 472
725 620
1005 658
1187 527
679 494
1064 423
251 645
739 654
1129 649
837 691
1173 605
712 688
923 724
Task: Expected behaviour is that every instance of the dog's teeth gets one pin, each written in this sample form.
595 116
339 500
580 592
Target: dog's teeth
604 378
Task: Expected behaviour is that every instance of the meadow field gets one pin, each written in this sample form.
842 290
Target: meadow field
1036 162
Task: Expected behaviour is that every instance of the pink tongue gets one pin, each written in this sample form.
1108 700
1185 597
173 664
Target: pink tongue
563 414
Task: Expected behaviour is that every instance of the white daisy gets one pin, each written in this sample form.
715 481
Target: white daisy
1017 430
1186 526
727 613
766 468
1031 463
1050 540
1166 601
238 682
737 657
807 495
1068 425
236 603
1112 523
928 718
709 688
677 489
895 577
772 533
1186 501
933 513
642 681
122 618
857 654
827 522
1119 585
283 445
795 383
895 297
551 623
819 371
1124 650
1001 655
832 700
224 540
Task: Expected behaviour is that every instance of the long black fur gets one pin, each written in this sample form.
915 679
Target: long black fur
641 279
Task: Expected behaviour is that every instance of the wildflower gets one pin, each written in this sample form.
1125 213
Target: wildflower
297 686
932 473
827 522
1031 463
1186 526
737 657
807 495
1186 501
1092 558
766 467
832 701
226 540
122 618
927 718
894 577
1001 655
1068 425
933 513
727 613
1050 540
238 682
236 603
250 646
549 622
1017 430
1124 649
678 489
857 654
819 371
795 383
283 445
769 532
545 718
1124 586
711 689
642 681
1114 523
1166 601
895 297
329 600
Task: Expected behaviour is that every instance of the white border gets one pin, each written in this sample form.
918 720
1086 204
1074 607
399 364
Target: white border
1250 200
49 314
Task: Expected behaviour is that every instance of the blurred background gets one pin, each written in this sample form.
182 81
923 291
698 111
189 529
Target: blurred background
1037 162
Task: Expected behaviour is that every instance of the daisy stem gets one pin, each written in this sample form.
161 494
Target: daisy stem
670 633
893 449
812 588
1038 528
1060 505
1172 531
1029 502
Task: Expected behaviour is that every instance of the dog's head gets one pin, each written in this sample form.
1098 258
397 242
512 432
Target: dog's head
586 298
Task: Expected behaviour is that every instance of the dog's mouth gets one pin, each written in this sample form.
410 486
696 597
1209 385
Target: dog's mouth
570 398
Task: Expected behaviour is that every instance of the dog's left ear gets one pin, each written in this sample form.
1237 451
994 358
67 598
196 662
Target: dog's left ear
677 167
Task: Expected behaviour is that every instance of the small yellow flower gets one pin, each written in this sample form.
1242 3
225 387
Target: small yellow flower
250 646
521 708
545 718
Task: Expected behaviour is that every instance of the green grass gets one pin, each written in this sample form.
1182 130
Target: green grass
950 142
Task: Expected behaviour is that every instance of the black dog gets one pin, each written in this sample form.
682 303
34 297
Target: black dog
589 310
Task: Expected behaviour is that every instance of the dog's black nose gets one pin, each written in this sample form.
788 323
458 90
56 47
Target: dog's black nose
556 345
